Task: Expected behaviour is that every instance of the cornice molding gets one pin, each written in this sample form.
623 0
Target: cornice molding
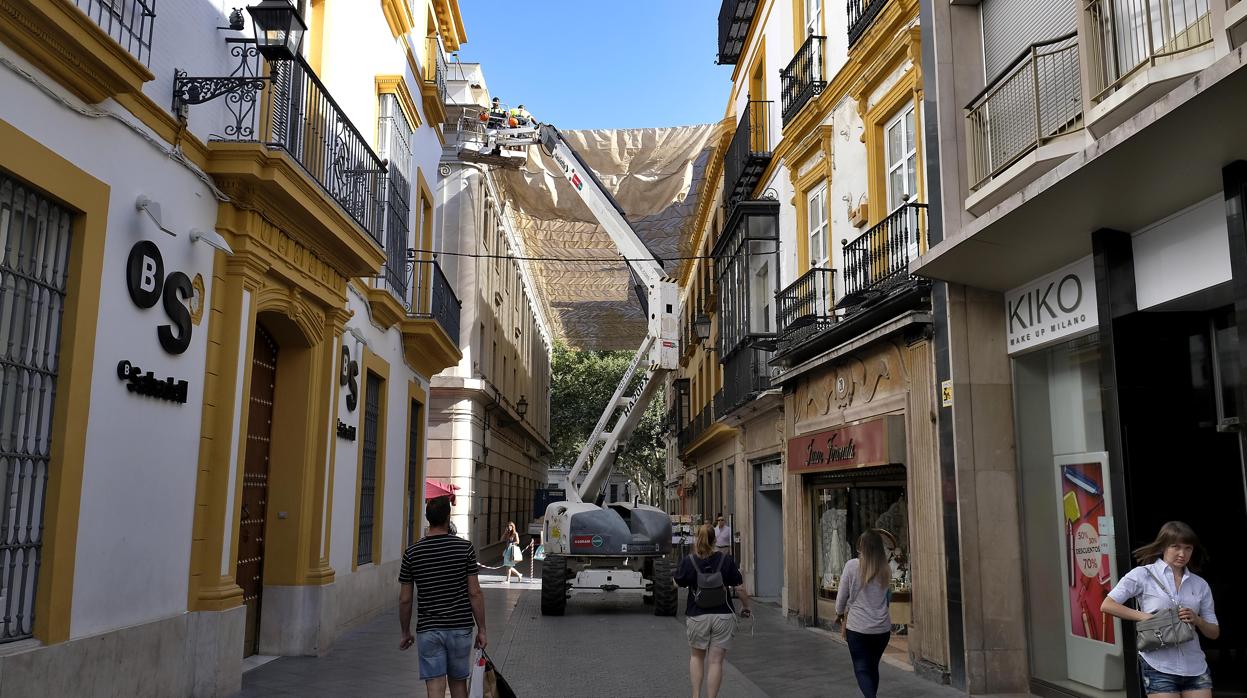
65 43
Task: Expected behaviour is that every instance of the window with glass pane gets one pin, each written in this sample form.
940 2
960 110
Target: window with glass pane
368 468
813 17
816 225
902 159
842 513
34 253
395 147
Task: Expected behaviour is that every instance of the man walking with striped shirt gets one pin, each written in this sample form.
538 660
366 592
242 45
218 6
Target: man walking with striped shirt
443 568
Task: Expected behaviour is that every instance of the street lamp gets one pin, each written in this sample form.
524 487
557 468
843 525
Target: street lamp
278 29
701 327
521 407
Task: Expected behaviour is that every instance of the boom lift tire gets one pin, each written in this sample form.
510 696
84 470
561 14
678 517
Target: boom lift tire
553 585
666 596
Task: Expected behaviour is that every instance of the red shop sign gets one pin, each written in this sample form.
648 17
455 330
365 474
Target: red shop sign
879 441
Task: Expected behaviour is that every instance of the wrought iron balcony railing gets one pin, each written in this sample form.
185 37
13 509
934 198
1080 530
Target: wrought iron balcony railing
806 307
862 14
735 16
434 297
803 79
1126 35
878 259
696 427
749 152
745 374
436 70
130 22
1037 98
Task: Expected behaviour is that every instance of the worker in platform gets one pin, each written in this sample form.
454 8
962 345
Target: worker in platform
497 115
521 116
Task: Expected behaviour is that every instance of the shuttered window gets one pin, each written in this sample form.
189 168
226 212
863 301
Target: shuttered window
368 467
1011 26
34 254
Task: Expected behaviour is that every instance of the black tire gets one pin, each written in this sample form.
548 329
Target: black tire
666 596
553 585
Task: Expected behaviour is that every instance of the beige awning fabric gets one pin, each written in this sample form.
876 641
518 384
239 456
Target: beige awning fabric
656 175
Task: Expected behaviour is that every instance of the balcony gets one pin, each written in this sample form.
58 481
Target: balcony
735 16
862 14
129 22
748 154
745 375
434 90
803 79
696 427
806 308
746 261
1128 37
1036 100
878 260
430 327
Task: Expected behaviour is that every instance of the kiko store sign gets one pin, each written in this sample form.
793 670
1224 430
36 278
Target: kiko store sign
879 441
1051 308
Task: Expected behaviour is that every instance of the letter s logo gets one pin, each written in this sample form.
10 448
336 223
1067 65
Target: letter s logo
350 369
178 288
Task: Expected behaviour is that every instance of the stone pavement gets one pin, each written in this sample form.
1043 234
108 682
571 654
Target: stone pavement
602 647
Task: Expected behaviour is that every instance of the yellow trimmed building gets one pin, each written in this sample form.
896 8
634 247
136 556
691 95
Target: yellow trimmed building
222 312
806 411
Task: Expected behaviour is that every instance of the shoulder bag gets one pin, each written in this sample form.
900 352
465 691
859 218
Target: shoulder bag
1163 629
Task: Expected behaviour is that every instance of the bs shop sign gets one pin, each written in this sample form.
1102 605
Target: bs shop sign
1052 307
879 441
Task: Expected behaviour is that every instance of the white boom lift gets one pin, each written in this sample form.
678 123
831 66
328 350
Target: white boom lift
620 547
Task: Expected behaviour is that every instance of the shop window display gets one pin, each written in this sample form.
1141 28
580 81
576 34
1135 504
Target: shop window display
842 513
1067 519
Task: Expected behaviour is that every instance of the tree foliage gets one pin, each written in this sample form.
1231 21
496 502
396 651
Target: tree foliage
582 383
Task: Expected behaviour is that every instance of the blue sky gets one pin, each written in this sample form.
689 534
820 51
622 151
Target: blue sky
601 63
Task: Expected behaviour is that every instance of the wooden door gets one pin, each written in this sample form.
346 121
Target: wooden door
250 574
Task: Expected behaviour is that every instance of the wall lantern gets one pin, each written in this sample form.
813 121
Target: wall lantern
278 29
701 327
521 407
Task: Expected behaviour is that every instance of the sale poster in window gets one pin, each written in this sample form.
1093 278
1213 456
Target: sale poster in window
1086 522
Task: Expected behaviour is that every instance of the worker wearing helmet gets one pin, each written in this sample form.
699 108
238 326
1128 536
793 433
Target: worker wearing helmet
521 116
497 115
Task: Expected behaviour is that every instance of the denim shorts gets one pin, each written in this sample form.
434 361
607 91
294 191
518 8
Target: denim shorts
1159 682
445 653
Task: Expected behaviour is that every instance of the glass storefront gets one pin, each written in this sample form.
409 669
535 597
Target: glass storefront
1067 519
843 508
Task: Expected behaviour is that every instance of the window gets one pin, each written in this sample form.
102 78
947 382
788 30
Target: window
415 488
816 225
614 492
813 17
34 254
901 157
395 145
368 467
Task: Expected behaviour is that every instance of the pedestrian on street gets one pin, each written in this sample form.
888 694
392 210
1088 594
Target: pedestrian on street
862 609
443 568
722 535
710 616
510 553
1164 579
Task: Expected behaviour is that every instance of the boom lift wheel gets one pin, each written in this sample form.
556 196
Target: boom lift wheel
553 585
666 596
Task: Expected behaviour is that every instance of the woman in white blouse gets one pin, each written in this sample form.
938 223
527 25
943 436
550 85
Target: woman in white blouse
1171 672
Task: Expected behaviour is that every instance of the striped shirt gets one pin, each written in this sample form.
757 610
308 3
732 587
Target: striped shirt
439 566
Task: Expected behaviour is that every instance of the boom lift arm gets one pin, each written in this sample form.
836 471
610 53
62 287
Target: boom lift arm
658 353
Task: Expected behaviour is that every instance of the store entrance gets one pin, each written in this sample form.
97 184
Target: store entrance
1177 375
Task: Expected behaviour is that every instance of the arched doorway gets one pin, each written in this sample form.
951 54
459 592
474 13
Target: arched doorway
250 570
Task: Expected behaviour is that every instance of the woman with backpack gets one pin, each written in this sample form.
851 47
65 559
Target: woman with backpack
710 616
862 609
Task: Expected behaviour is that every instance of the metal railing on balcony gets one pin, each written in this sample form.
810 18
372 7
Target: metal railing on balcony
436 69
749 152
735 16
745 374
879 258
804 78
432 296
1037 98
862 14
696 427
1126 35
130 22
806 307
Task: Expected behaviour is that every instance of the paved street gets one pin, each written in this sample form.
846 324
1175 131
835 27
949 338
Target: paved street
601 647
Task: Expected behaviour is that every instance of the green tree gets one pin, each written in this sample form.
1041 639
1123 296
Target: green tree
582 384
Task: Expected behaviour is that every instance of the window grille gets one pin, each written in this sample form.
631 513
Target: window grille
130 22
368 474
415 487
34 254
395 147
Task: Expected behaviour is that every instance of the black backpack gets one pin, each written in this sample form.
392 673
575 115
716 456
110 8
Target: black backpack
710 592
